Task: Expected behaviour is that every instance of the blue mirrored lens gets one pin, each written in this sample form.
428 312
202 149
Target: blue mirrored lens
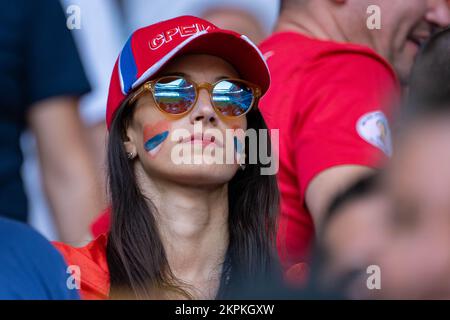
232 98
174 95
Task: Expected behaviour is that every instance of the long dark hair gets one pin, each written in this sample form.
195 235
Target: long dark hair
136 258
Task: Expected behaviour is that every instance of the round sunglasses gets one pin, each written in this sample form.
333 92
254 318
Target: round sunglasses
176 95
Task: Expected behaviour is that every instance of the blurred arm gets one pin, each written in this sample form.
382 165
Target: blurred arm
96 135
68 173
327 185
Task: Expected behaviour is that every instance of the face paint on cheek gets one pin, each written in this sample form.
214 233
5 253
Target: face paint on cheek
154 136
239 148
237 145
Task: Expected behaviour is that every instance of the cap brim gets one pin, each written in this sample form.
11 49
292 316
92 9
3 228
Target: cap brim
236 50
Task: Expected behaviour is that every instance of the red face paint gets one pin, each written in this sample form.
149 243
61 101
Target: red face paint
155 135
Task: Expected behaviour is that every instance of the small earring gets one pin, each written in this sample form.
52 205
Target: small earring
242 166
130 155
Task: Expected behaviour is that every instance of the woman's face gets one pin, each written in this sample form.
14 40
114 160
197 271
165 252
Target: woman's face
192 148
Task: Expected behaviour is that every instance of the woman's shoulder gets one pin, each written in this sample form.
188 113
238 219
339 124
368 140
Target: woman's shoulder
90 265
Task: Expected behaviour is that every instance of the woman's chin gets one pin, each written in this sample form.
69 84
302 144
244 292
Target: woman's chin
204 174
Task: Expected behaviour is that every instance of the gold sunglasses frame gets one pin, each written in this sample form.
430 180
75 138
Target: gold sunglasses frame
149 86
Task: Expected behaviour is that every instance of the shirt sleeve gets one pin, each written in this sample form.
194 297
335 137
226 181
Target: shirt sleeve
52 65
348 98
30 267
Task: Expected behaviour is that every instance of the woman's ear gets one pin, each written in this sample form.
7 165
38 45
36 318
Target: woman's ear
129 141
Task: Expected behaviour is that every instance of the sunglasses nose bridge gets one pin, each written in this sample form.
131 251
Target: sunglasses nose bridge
204 94
203 108
206 87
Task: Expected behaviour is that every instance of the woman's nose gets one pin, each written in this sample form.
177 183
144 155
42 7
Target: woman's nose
203 110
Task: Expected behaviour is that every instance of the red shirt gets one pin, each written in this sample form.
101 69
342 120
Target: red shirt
331 102
94 273
102 223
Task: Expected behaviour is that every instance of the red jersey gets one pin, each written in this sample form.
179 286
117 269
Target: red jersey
91 260
330 102
102 223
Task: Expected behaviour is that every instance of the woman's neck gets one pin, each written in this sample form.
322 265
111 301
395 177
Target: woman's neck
193 226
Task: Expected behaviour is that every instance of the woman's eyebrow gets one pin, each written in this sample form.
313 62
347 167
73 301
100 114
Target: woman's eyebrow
178 74
181 74
221 78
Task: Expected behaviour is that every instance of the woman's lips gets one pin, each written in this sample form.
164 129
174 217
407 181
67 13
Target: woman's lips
203 139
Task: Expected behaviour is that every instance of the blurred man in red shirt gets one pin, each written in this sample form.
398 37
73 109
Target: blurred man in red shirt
335 80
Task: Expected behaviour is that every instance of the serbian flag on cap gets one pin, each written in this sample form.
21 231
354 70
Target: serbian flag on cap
149 49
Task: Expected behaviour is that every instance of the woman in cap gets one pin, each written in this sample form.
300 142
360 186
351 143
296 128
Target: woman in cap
182 229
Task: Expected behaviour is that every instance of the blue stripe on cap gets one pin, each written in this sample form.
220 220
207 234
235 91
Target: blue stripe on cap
127 67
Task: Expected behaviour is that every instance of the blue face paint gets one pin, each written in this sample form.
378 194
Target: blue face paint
155 141
239 150
237 146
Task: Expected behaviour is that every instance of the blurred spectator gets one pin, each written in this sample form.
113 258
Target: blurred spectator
353 234
98 53
331 97
30 268
385 222
416 262
43 79
254 18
